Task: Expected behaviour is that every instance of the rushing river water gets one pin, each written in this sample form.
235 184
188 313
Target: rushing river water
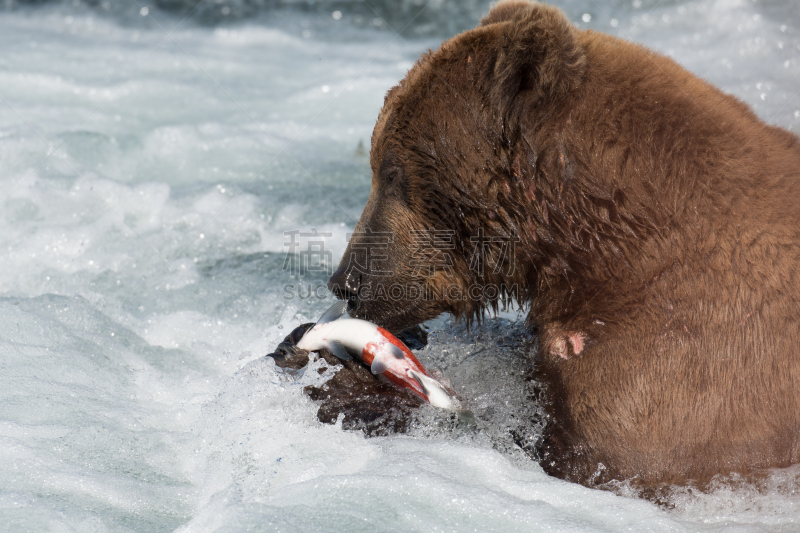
153 159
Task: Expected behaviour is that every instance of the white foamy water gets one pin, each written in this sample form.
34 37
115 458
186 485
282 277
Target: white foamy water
148 174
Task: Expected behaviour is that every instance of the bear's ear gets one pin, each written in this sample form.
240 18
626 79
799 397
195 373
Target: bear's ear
503 11
537 54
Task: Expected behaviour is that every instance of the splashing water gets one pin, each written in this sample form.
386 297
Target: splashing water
151 168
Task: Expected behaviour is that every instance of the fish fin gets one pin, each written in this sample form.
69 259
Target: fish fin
396 351
333 312
338 349
378 366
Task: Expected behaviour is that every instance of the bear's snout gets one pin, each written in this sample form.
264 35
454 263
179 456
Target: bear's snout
344 284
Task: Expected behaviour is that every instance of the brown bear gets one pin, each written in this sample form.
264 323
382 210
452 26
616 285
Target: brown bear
650 222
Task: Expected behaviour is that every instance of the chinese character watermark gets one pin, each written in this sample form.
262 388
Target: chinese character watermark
369 252
426 252
429 251
495 253
313 257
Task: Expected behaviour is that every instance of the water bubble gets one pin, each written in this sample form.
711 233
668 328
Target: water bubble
225 10
144 11
614 23
337 15
636 4
586 17
325 88
797 114
377 22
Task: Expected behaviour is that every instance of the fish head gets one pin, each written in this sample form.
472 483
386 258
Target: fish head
316 336
313 339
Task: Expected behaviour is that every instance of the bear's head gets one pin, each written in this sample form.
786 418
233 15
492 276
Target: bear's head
445 227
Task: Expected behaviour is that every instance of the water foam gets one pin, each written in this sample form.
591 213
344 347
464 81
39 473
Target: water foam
148 178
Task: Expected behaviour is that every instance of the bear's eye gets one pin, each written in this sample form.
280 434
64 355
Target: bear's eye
392 174
389 171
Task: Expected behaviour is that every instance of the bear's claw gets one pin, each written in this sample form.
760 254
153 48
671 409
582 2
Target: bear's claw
287 354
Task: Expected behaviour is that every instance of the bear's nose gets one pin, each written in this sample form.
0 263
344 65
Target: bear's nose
343 285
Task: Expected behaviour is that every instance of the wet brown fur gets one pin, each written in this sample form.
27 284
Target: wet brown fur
367 403
659 231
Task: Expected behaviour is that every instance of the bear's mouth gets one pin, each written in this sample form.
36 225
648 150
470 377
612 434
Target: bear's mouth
393 314
345 286
395 321
353 301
